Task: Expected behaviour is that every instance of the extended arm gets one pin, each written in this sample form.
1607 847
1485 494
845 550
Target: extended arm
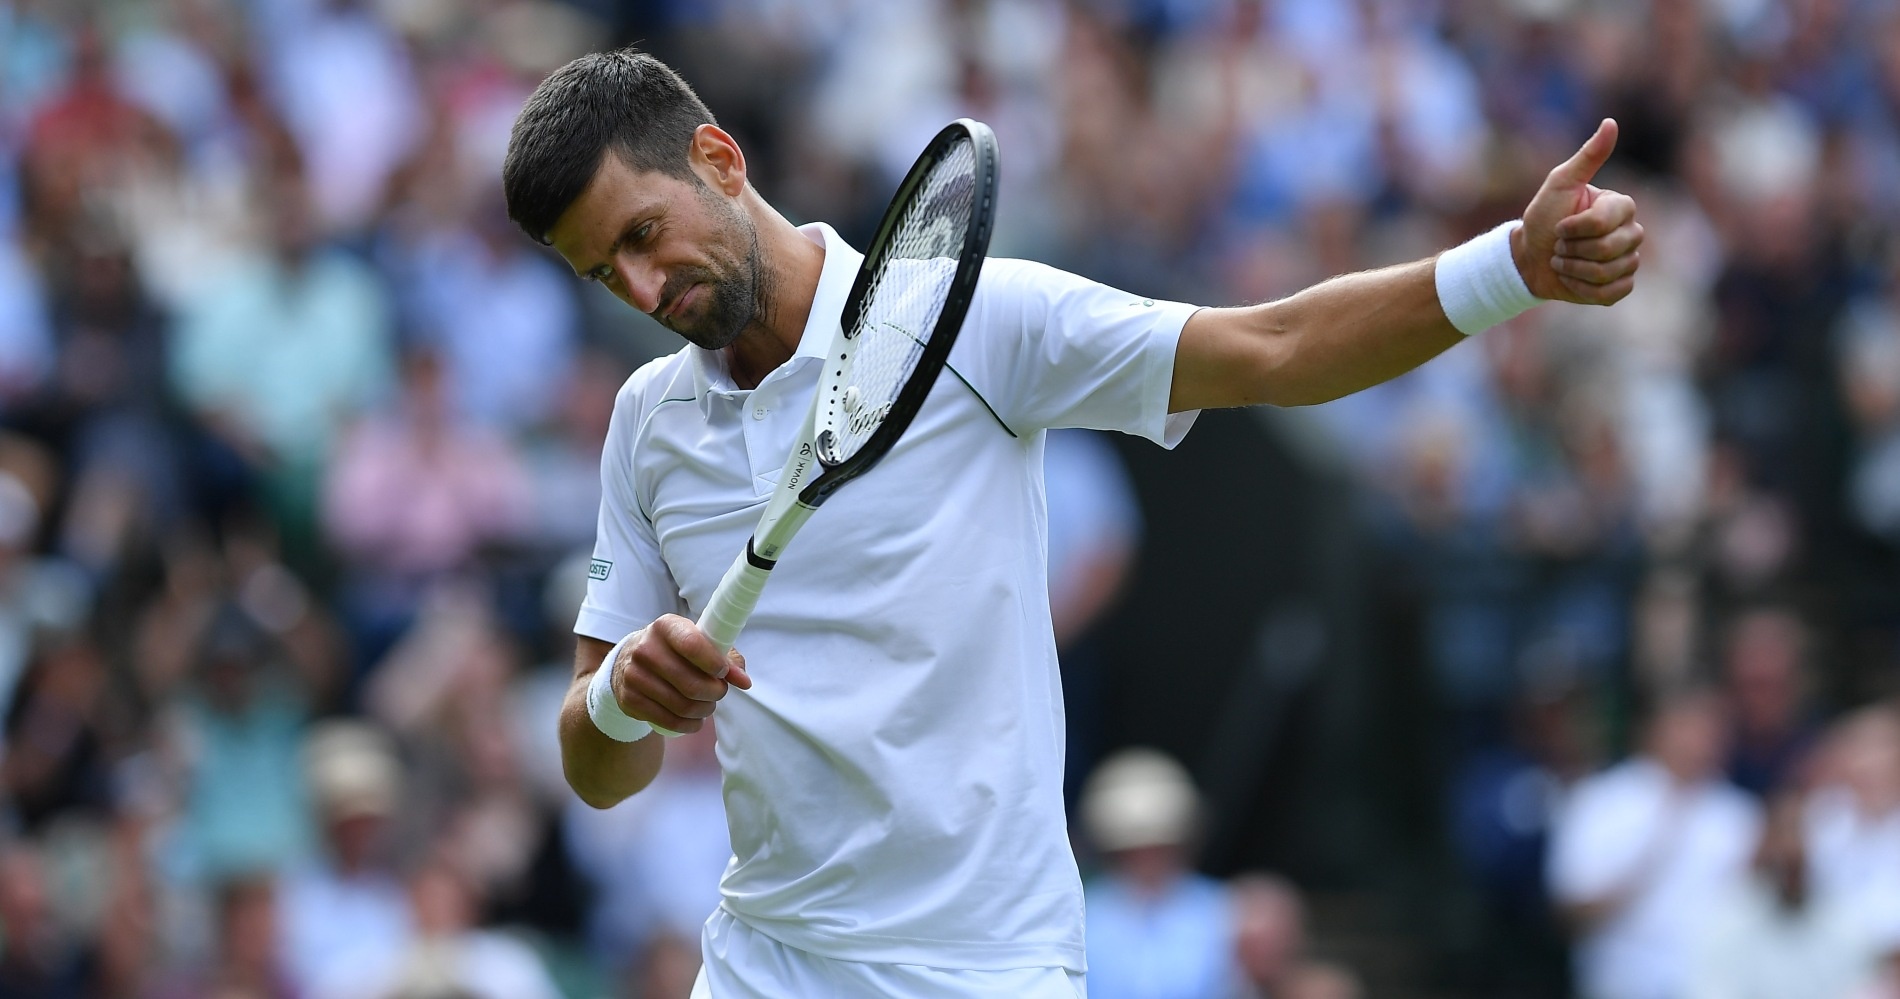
1330 340
1577 244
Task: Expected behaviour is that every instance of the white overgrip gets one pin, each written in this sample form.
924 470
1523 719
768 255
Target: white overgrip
732 602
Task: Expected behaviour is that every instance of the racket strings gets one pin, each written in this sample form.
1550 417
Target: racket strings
904 300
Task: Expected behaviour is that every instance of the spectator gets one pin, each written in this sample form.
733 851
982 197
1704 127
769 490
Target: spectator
349 95
37 595
246 962
1854 817
501 316
87 139
411 497
1094 532
655 861
563 465
26 343
1764 662
1774 936
445 690
58 731
1867 345
1157 930
1094 529
347 910
38 957
1322 980
1887 985
450 956
217 216
1269 934
1506 802
239 730
106 404
282 353
1642 851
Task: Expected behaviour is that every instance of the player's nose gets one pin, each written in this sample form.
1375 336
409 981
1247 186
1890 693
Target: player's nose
643 284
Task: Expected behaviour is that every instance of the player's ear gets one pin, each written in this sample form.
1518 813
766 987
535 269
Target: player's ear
718 160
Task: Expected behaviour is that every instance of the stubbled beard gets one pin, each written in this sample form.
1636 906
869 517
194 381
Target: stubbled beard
730 302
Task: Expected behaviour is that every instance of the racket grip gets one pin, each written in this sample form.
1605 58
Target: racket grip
732 602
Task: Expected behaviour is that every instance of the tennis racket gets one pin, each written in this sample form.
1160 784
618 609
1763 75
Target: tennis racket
894 336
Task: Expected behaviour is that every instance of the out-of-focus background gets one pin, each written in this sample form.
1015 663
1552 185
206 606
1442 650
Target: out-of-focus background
1563 666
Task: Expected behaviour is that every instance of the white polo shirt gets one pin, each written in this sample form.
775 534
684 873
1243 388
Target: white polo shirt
893 780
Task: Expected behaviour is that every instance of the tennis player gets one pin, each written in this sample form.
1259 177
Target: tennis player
893 753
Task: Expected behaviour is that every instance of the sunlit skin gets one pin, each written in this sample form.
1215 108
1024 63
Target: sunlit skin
711 261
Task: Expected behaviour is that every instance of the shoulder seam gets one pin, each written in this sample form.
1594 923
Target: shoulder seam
979 398
639 435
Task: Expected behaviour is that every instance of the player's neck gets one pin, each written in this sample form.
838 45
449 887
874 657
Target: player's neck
791 266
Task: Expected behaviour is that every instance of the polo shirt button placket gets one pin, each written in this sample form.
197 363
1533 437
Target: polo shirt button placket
760 453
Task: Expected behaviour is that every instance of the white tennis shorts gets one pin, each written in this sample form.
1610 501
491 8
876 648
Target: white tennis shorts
742 963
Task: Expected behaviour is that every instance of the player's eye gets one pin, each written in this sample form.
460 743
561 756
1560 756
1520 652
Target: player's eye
600 274
640 235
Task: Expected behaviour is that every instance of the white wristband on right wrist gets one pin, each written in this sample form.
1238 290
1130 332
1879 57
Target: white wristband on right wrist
1478 283
604 708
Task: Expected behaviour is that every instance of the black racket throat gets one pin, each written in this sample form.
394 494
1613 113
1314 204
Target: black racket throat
970 250
758 561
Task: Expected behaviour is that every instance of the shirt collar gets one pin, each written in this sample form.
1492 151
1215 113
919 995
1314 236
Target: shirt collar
827 305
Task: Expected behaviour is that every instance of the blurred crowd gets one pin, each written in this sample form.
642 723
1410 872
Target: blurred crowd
299 442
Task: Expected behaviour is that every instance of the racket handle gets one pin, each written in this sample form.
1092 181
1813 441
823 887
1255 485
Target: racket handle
731 604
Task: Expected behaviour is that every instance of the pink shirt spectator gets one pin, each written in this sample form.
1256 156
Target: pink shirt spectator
407 499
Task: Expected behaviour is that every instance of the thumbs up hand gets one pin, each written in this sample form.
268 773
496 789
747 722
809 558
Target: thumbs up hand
1579 243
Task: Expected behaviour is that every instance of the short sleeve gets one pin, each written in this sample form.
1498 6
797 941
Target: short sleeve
628 584
1045 349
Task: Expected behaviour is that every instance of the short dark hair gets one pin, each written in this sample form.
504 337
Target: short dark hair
625 101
